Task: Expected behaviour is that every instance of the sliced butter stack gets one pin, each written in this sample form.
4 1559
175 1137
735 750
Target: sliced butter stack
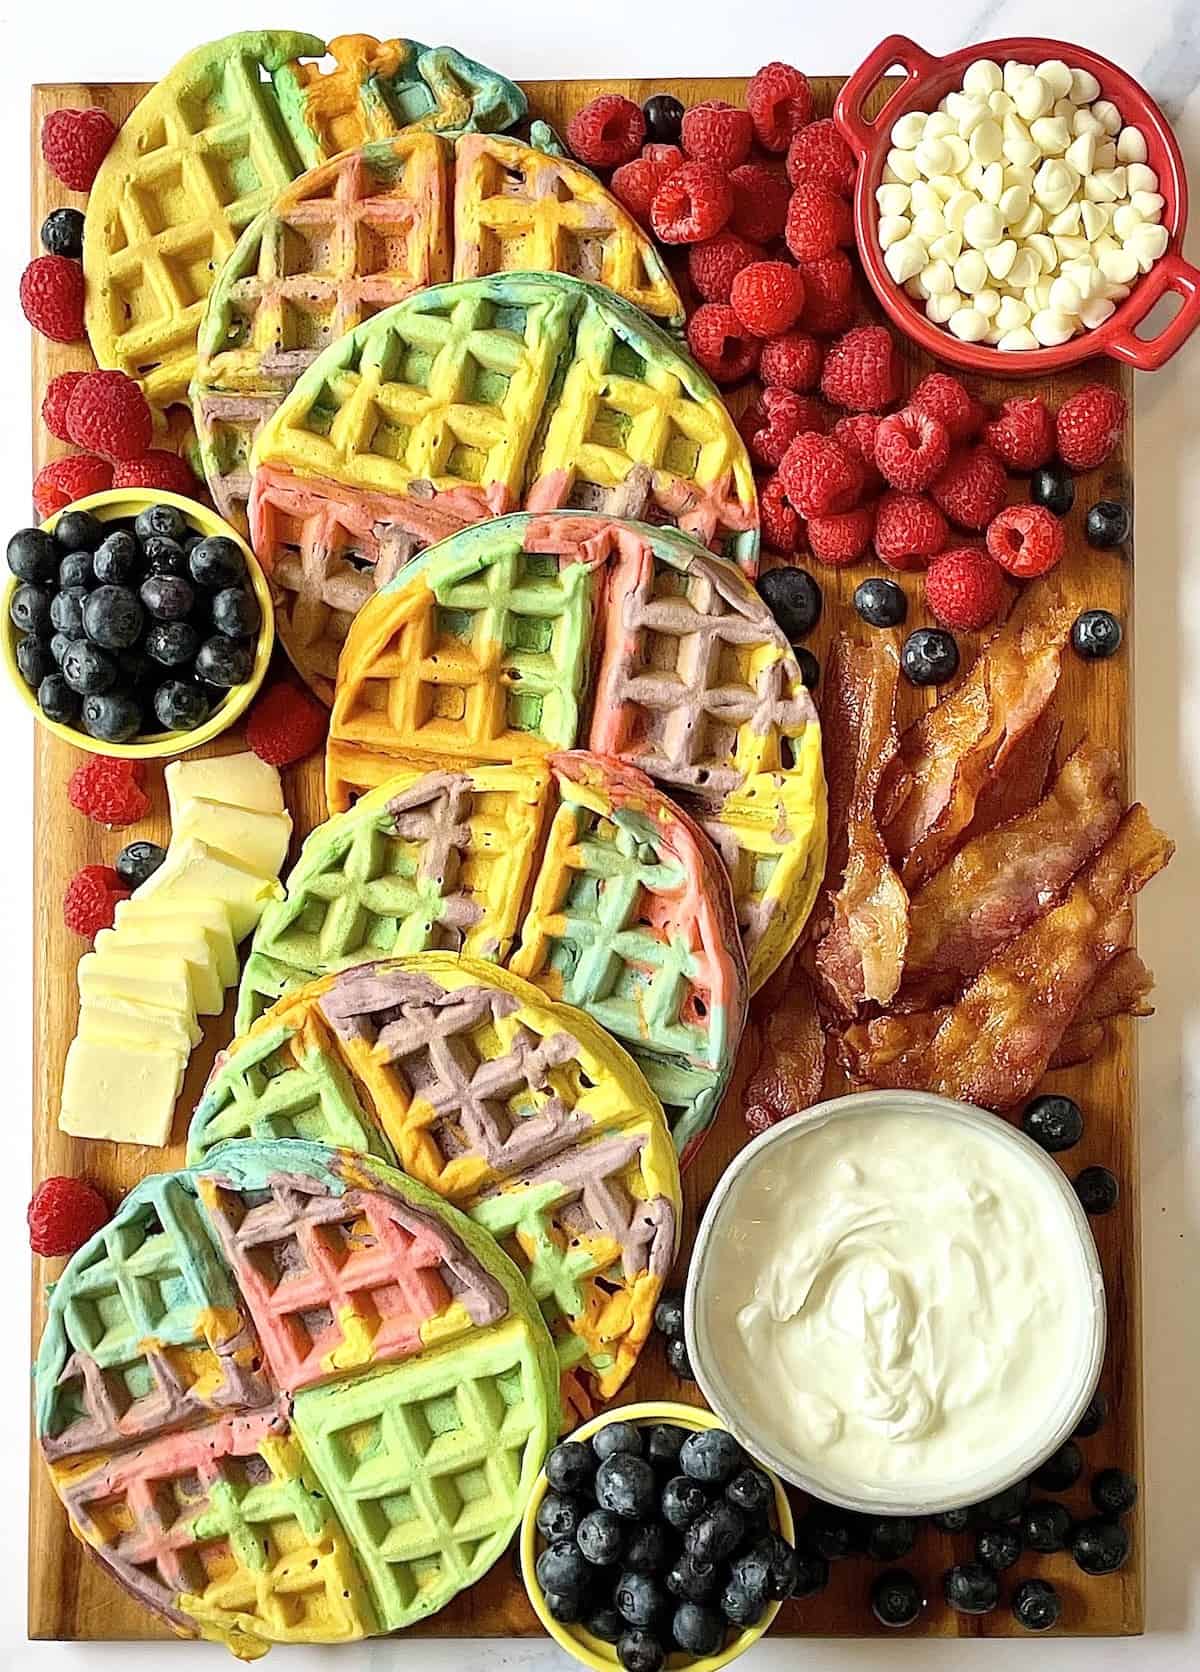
115 1090
194 873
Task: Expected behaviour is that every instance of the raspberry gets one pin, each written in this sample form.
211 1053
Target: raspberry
75 143
944 397
109 415
760 201
780 525
721 343
52 298
64 1214
819 156
818 220
1023 434
780 101
58 397
109 791
792 361
964 588
691 204
62 481
714 264
767 297
972 487
819 475
860 371
775 420
163 471
909 529
1026 540
1089 426
911 448
842 537
286 724
828 293
635 183
90 903
608 131
716 132
856 432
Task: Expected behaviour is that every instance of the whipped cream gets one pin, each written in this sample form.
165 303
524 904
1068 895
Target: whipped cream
899 1306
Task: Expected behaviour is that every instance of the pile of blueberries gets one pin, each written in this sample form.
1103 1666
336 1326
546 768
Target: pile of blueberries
660 1540
132 626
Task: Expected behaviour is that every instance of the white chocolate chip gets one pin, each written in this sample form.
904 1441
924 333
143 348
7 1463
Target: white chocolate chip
903 165
939 125
1024 270
1013 204
1095 218
947 248
1125 221
1084 87
1095 311
999 103
956 209
1014 74
1000 259
908 130
1070 248
960 153
916 288
1064 296
1106 154
1023 153
905 258
1139 178
1148 245
982 226
1131 146
923 196
1045 249
938 279
933 156
941 309
968 325
986 141
1031 221
1033 98
928 224
892 228
1066 221
1011 313
1149 205
1118 266
1019 341
970 271
1051 135
1051 328
1081 153
892 200
1107 114
982 77
1057 77
1083 122
943 186
987 302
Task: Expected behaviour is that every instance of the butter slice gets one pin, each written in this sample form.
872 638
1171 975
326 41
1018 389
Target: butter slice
192 871
146 941
257 841
194 917
160 986
118 1021
120 1092
238 780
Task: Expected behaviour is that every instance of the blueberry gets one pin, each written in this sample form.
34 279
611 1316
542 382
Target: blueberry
29 609
1108 524
929 656
78 531
33 556
562 1567
57 700
640 1651
678 1360
224 662
682 1501
163 521
1003 1506
1054 1122
172 644
167 597
663 1443
810 668
711 1456
570 1466
881 603
746 1590
605 1623
113 717
1094 1417
1054 487
567 1607
751 1492
998 1548
664 119
165 557
782 1565
113 618
34 661
558 1514
896 1599
1099 1545
76 570
216 562
1045 1525
696 1581
890 1537
117 559
639 1599
137 861
830 1531
1114 1492
970 1588
617 1436
951 1520
646 1547
236 613
625 1484
716 1533
1097 1189
59 645
1036 1605
88 669
793 598
599 1537
1061 1469
66 610
1096 635
668 1315
180 706
697 1630
62 233
812 1574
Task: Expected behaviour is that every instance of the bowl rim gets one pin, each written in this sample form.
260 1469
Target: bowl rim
108 506
982 1120
642 1412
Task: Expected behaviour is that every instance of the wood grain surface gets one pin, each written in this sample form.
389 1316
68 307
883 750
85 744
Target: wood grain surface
70 1596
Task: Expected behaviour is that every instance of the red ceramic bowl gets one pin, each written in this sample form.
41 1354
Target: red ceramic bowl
927 80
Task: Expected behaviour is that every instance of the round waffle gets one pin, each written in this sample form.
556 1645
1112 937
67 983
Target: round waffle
464 402
521 1111
530 634
215 142
575 872
291 1396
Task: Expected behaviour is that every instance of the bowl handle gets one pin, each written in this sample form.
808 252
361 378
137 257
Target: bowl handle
1147 354
860 130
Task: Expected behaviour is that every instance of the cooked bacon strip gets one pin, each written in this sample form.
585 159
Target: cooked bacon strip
1025 779
1122 989
928 795
791 1067
860 956
999 883
993 1046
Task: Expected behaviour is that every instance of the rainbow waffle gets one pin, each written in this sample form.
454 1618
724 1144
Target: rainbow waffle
370 227
574 872
215 142
293 1397
463 403
522 1111
529 634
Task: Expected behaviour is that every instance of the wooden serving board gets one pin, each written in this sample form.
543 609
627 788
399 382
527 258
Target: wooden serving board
70 1596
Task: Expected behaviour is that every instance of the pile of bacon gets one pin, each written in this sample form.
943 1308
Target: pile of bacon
976 922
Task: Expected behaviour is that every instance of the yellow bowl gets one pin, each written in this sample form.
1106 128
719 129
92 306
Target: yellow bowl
127 502
580 1644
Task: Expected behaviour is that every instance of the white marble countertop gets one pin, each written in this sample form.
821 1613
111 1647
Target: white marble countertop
1159 44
